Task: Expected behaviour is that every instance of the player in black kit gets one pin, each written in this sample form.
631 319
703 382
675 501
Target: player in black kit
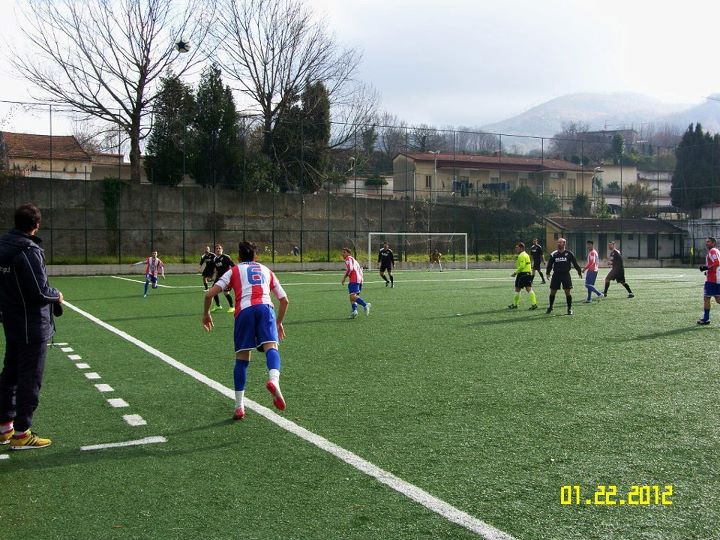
207 266
386 260
536 252
559 264
617 272
223 263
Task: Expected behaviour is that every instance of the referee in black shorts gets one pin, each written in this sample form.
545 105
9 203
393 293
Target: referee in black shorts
386 260
559 264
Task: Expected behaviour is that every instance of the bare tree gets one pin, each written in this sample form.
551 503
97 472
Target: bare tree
571 141
272 48
104 57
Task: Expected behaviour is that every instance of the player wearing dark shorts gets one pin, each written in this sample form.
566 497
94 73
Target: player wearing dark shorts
523 277
386 260
223 263
559 265
207 266
617 272
536 252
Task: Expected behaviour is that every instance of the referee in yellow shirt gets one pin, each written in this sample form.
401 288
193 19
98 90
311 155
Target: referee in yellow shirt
523 277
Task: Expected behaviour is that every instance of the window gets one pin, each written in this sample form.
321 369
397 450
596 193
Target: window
631 236
428 180
556 236
571 187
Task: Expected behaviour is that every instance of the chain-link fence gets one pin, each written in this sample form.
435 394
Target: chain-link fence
302 197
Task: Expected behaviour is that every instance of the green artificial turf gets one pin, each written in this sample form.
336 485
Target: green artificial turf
489 409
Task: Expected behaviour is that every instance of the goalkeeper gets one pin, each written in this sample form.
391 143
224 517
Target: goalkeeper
523 275
712 281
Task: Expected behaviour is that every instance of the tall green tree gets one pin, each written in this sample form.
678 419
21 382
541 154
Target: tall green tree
169 146
218 159
696 178
315 135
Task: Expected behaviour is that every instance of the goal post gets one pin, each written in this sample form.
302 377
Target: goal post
418 245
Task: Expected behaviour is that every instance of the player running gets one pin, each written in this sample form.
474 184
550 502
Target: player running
354 272
222 263
523 277
617 272
712 282
538 258
207 266
386 260
153 265
256 326
560 261
591 271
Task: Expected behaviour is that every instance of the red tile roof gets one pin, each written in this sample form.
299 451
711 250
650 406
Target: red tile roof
26 145
477 161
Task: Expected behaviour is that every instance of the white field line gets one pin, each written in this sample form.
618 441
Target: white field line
411 491
159 284
104 388
134 420
66 349
146 440
4 456
74 357
82 366
93 376
118 403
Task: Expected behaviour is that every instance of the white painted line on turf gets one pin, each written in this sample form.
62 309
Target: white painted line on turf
160 284
104 388
66 349
60 344
82 366
440 507
4 456
93 376
134 420
74 357
139 442
118 403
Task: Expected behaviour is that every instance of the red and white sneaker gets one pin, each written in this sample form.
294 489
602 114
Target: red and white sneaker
278 399
239 414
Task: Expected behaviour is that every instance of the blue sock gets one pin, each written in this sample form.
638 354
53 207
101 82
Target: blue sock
272 359
361 302
146 286
353 307
240 374
706 314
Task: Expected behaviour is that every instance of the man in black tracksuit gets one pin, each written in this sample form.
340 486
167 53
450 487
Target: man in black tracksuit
26 300
559 264
222 263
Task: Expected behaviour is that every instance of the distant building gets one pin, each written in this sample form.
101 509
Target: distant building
45 156
60 157
427 175
636 238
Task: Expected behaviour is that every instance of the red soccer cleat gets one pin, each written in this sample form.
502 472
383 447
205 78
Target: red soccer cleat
278 399
239 414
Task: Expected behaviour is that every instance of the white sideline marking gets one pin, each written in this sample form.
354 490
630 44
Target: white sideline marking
134 420
440 507
93 376
4 456
74 357
159 284
82 366
61 344
66 349
118 403
146 440
104 388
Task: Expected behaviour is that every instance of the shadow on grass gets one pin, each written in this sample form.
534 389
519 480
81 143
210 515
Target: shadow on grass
665 333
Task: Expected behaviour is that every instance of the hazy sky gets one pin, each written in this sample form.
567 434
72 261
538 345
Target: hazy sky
464 62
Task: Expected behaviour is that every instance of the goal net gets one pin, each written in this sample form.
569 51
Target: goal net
417 247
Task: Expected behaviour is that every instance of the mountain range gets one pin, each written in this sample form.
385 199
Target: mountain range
609 111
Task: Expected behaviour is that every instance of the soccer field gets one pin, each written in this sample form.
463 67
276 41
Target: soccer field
481 412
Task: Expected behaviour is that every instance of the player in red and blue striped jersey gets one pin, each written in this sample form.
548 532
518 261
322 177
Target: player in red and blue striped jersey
153 265
712 281
354 272
256 326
